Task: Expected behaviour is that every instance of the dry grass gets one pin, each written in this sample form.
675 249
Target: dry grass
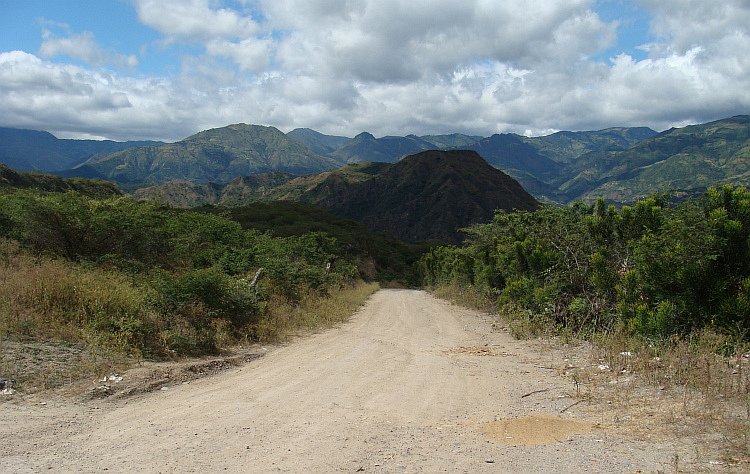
284 318
50 299
468 297
61 322
38 366
50 318
678 391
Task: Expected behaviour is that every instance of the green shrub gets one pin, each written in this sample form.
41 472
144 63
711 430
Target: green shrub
657 267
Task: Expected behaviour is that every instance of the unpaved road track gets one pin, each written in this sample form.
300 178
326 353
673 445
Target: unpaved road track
408 385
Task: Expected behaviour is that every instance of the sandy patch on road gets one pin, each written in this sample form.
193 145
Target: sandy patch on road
538 429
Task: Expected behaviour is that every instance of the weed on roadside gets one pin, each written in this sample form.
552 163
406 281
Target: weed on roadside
670 390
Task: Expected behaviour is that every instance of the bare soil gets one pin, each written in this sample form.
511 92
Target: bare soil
409 384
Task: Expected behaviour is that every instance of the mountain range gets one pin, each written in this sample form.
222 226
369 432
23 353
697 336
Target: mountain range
429 195
688 160
620 164
33 150
216 155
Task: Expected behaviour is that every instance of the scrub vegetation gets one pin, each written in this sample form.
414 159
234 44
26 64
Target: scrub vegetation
119 279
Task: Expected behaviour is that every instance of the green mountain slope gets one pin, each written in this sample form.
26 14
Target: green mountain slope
11 180
265 187
217 155
539 162
688 159
316 141
32 150
568 146
239 191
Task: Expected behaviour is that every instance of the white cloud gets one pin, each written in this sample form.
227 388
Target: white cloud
65 98
392 41
392 67
249 54
194 19
683 24
83 47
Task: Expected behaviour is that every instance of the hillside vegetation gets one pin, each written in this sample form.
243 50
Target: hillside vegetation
689 160
427 196
376 255
117 276
11 180
430 195
655 269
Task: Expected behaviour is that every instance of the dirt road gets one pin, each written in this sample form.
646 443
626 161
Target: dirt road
410 384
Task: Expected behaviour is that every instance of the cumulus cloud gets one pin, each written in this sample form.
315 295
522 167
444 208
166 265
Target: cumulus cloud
392 41
393 67
83 47
194 19
249 54
65 98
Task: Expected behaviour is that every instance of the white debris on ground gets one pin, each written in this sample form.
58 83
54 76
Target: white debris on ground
105 389
6 386
112 378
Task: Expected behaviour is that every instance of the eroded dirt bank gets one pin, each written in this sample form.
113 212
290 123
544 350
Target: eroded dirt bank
410 384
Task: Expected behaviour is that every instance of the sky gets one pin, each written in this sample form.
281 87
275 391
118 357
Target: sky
166 69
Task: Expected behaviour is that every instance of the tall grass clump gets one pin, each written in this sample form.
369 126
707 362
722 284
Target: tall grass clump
467 296
52 299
